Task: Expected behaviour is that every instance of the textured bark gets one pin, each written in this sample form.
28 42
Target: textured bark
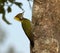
46 22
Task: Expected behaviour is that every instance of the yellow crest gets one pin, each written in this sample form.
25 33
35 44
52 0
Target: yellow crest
18 17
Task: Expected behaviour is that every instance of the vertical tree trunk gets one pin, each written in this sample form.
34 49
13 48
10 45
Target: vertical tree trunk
46 22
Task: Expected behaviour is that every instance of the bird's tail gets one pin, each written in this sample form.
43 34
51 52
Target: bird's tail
32 43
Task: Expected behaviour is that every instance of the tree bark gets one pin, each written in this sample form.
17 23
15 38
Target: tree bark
46 22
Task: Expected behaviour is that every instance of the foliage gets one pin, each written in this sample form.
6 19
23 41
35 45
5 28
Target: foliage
6 3
2 9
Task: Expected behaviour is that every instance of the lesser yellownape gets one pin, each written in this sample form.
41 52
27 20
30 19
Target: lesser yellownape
26 25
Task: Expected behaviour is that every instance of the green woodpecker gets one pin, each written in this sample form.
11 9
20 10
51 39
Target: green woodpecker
26 25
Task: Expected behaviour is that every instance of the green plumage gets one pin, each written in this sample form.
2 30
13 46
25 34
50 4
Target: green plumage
26 25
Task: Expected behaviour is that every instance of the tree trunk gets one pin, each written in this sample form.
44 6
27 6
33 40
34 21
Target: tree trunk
46 22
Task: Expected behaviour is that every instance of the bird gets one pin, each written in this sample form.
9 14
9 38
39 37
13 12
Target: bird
27 27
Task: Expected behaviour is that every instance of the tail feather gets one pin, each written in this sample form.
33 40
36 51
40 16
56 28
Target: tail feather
32 43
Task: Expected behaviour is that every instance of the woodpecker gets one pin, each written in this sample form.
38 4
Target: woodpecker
27 27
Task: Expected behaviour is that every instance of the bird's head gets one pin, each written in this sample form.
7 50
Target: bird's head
18 17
